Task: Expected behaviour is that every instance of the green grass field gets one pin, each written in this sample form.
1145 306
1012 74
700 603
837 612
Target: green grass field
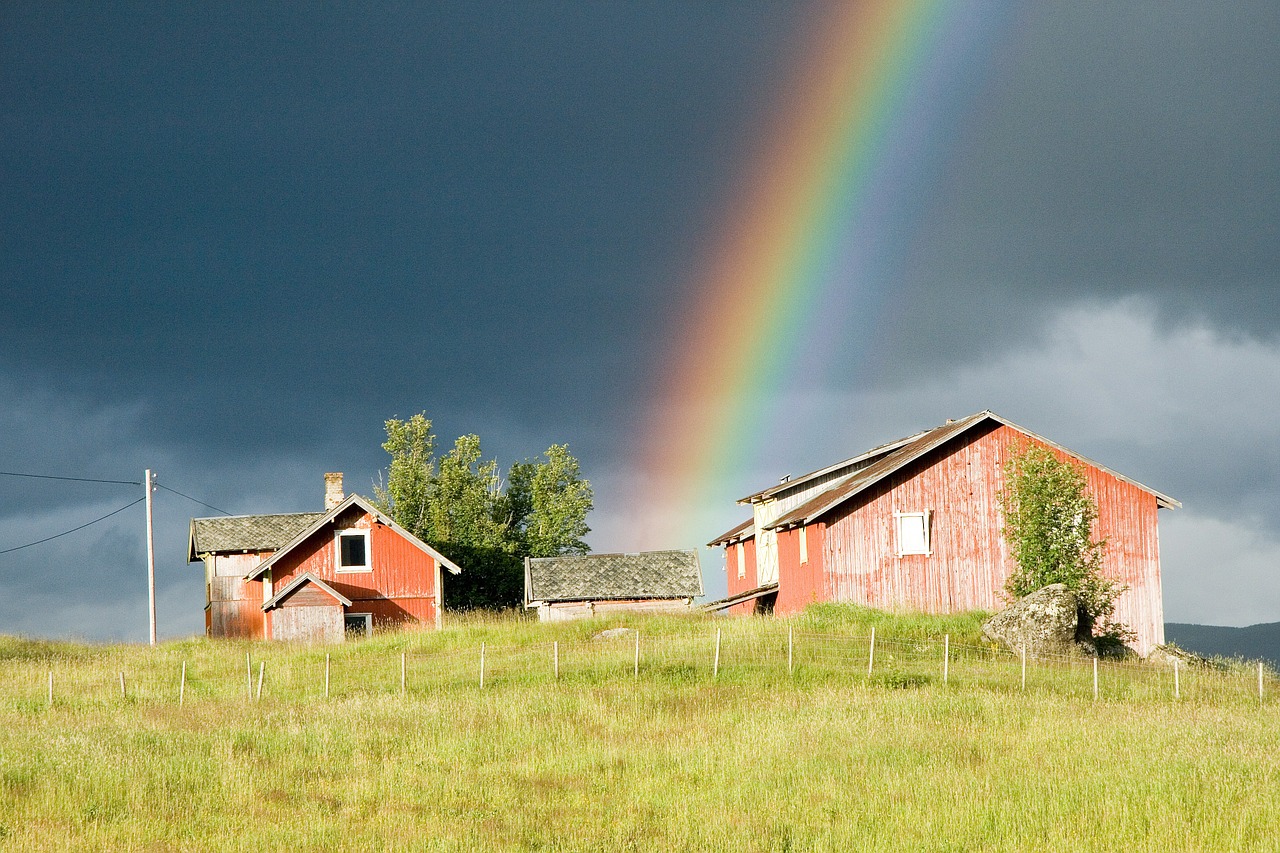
763 754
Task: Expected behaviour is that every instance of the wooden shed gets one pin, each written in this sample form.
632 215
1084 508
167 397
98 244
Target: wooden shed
350 555
578 586
915 525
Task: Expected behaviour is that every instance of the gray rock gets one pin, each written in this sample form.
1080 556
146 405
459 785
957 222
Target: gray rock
1168 654
1044 623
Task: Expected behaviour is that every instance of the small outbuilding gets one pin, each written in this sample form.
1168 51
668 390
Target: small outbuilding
579 586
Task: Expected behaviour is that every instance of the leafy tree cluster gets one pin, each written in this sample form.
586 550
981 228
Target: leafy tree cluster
1048 522
458 504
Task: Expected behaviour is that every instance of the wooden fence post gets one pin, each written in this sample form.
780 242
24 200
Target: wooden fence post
1177 688
871 654
555 659
123 695
1024 667
1095 679
791 649
326 675
946 657
1259 681
482 666
182 685
402 667
262 668
50 688
715 667
635 670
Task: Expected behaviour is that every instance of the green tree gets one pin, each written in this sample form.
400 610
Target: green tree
1048 522
457 505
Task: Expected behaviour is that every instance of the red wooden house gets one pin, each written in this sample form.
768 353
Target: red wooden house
915 525
316 576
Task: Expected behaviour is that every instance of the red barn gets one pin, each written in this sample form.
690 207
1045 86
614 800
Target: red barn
317 575
915 525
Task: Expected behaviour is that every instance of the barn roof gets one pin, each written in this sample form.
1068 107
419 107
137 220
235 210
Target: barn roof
745 530
299 581
601 577
240 533
324 518
911 449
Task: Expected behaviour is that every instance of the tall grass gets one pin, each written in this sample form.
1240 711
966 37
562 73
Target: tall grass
679 757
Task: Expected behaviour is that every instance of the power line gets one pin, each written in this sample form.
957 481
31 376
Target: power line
188 497
72 479
74 529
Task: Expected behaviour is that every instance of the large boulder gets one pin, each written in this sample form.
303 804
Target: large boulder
1045 623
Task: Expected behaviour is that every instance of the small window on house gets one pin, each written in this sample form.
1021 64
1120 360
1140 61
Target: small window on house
742 559
352 548
913 532
357 625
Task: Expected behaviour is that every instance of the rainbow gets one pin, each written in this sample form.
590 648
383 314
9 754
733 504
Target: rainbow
834 188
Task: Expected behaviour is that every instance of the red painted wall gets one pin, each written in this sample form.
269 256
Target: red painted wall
959 484
800 584
736 584
401 587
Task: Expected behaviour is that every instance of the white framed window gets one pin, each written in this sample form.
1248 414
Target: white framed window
351 551
742 559
356 625
804 544
912 529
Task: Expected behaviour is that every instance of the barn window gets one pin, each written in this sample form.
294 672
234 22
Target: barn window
913 532
352 551
742 559
804 545
357 624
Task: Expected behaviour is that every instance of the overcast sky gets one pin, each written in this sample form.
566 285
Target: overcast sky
234 242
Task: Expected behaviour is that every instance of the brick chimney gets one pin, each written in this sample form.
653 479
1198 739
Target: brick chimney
333 490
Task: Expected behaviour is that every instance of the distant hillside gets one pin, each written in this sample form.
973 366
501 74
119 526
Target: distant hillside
1252 643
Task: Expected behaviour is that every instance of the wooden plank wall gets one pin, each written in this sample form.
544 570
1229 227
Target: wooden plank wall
959 484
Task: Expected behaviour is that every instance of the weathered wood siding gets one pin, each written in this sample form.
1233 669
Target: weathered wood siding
958 484
801 583
399 589
308 623
234 606
735 584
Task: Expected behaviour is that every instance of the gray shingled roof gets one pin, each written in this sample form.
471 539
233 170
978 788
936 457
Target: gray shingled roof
248 532
600 577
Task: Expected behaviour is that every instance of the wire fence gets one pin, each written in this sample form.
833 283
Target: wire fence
761 656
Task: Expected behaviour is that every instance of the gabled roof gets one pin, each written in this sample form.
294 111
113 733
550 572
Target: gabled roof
913 450
745 530
240 533
328 517
862 460
300 580
601 577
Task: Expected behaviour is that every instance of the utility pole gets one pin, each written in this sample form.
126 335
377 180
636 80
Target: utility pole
149 485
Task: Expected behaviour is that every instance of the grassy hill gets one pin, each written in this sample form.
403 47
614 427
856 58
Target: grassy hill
787 743
1255 642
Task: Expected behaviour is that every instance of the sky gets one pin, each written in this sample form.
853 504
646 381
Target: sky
236 238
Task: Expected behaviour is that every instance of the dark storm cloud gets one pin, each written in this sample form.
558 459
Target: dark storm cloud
234 241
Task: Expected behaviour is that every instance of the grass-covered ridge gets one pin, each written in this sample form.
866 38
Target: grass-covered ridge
821 757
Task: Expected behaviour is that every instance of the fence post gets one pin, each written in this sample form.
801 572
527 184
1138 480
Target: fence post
555 659
1177 688
1095 679
1259 681
1024 667
50 688
182 685
946 657
635 671
262 668
715 668
871 655
326 675
482 666
791 650
123 695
